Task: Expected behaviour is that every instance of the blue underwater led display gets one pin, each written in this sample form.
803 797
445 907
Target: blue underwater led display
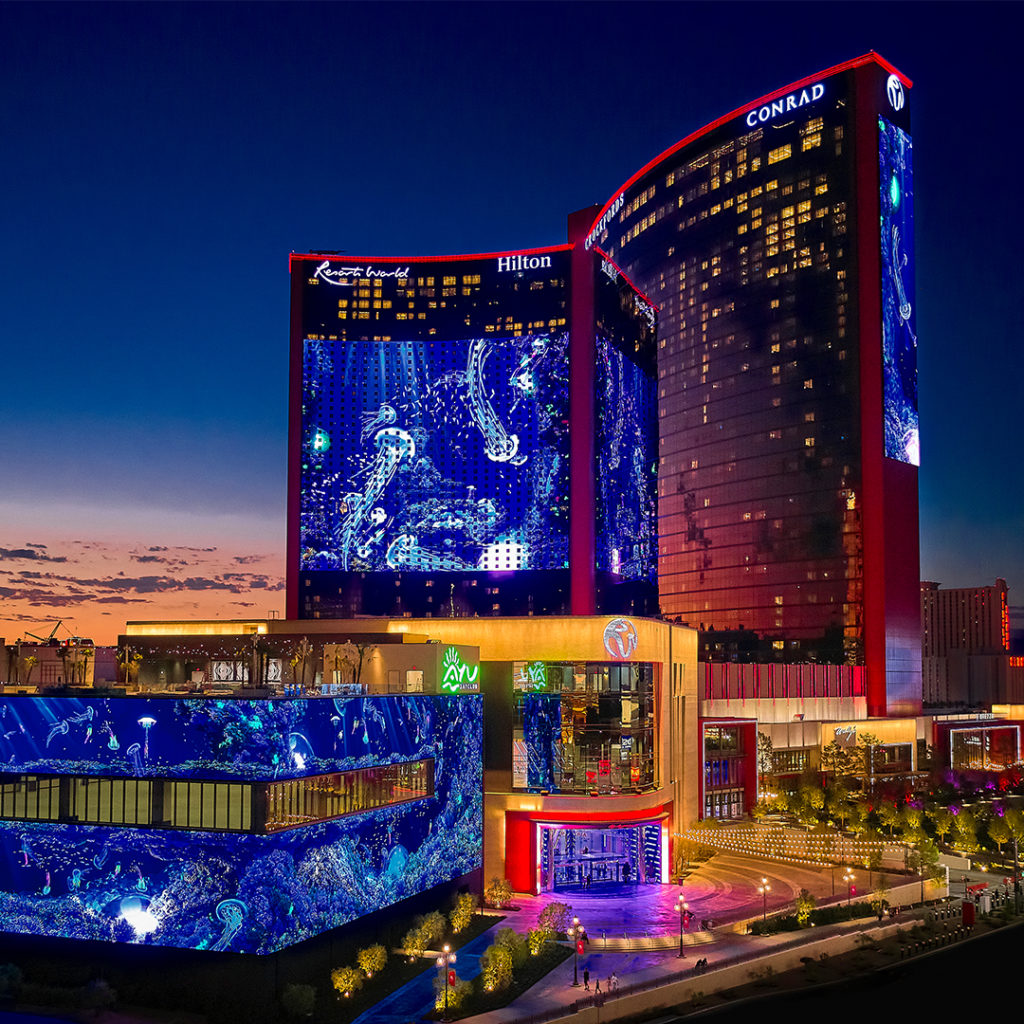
542 731
245 893
899 340
626 462
448 456
204 738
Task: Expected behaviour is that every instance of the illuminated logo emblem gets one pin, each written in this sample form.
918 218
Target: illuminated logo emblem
456 675
533 676
620 638
894 89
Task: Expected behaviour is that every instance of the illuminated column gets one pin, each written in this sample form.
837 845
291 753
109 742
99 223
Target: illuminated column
582 529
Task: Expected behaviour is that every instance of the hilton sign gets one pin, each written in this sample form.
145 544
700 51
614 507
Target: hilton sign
520 262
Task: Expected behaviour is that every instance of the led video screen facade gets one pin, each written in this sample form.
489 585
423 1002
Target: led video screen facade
436 435
221 884
899 339
626 432
436 457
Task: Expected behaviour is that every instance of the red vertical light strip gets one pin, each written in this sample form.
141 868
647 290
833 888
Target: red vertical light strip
868 270
582 352
297 271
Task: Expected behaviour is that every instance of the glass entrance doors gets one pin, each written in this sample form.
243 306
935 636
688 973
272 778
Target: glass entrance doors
583 859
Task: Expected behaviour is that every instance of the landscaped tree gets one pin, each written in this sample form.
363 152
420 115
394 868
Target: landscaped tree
889 815
837 801
462 912
911 824
537 938
998 831
880 900
804 905
346 980
129 662
498 893
434 927
555 917
414 941
812 800
29 663
456 996
372 959
496 965
765 760
838 760
966 830
858 817
866 743
510 939
942 819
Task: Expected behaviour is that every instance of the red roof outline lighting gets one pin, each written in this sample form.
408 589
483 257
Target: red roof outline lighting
461 257
868 58
600 252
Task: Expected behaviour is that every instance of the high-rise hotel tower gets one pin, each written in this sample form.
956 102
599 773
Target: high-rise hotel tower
778 244
472 435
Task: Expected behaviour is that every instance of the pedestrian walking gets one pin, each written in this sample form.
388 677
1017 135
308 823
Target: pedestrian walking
586 980
613 982
597 986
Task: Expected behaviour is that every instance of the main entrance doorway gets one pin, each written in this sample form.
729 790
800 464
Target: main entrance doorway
584 859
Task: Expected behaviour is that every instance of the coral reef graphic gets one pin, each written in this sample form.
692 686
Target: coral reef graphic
239 892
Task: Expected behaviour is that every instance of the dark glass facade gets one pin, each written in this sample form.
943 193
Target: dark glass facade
779 513
435 436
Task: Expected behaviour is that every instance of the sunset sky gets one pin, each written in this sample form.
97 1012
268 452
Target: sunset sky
161 160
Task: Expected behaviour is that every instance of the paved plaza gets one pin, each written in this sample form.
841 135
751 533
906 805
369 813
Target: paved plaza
634 933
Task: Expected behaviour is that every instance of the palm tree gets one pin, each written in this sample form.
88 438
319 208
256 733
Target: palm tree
30 663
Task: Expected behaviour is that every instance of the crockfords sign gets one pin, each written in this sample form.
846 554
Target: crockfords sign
520 262
339 275
606 217
791 102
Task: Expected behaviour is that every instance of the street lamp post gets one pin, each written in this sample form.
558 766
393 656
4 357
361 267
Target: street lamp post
764 888
446 962
576 934
681 908
848 879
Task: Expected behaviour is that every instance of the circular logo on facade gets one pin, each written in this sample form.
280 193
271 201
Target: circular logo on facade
894 88
620 638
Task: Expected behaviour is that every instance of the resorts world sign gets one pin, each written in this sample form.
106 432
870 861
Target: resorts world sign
769 111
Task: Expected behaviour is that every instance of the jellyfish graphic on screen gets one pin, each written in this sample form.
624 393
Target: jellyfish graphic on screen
147 723
385 416
899 261
499 445
231 913
393 446
63 727
301 750
57 729
524 377
134 754
112 743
